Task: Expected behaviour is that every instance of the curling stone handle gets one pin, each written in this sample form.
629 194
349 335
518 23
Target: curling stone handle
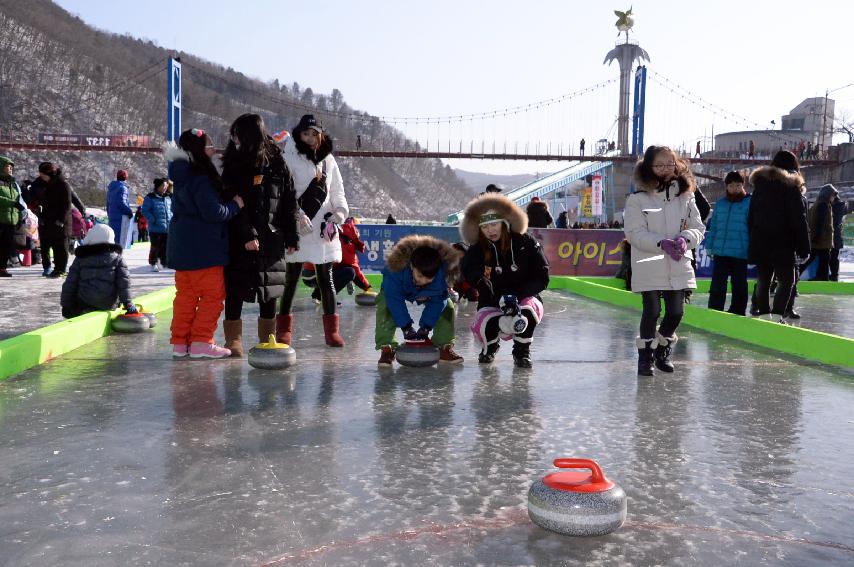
598 475
271 339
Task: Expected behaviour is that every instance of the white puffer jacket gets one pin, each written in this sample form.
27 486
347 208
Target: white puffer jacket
652 216
313 248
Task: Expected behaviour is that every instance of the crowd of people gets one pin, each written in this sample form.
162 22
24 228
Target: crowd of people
274 214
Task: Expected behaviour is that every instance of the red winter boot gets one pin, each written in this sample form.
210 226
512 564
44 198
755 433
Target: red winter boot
330 329
284 328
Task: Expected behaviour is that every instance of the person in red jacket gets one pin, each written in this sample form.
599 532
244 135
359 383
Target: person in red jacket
350 245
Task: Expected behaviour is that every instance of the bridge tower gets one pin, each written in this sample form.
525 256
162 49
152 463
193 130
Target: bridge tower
625 54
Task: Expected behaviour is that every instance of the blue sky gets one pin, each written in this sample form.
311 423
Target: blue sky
756 59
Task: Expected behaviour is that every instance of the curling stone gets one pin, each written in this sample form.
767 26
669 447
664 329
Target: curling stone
576 503
131 323
272 355
453 295
417 355
152 318
366 299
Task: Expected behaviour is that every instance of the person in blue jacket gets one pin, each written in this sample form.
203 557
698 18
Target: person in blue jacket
419 269
727 240
117 204
157 210
197 247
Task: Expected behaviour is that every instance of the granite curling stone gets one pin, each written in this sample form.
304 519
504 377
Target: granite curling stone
417 354
131 323
366 299
576 503
272 355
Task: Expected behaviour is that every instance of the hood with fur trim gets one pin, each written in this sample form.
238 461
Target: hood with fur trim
506 208
173 153
770 175
686 182
399 256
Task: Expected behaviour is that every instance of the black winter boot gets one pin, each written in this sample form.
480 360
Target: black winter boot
662 352
489 356
522 354
646 356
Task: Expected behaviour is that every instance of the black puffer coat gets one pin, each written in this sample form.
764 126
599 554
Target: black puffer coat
56 204
777 220
539 215
531 275
98 277
269 215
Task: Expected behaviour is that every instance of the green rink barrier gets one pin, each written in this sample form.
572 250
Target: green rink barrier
36 347
703 284
800 342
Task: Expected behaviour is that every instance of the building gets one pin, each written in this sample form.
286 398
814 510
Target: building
805 123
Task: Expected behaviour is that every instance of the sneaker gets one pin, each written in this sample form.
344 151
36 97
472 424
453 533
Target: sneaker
5 273
46 272
155 268
447 354
180 351
56 275
386 356
208 350
350 288
792 314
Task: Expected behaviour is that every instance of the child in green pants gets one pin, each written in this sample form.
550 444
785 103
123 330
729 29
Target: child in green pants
419 269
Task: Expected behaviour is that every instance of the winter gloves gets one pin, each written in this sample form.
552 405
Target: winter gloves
484 290
413 336
675 248
130 308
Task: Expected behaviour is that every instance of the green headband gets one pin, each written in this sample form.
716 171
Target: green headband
490 217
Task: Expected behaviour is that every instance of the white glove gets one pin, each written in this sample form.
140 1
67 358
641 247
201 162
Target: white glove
337 217
304 225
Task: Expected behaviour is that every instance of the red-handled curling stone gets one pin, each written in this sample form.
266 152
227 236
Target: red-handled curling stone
417 354
131 323
577 503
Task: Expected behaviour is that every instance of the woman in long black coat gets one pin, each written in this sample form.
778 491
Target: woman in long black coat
779 233
253 167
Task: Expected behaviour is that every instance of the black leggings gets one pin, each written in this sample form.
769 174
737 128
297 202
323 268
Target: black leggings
234 308
785 273
674 307
293 271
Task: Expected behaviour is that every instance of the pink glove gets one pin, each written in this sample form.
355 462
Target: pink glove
681 245
671 248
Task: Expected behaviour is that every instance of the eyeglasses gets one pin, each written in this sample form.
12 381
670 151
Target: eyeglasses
663 165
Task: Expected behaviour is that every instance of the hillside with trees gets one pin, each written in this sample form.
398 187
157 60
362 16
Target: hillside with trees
58 75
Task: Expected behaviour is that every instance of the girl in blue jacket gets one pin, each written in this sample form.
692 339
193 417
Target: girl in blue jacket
197 247
157 210
726 240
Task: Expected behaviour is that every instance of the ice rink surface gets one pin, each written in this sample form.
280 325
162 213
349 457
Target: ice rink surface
114 454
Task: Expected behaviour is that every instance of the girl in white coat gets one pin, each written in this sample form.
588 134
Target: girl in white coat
663 227
322 207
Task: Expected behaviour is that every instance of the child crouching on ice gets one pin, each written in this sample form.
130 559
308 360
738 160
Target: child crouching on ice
419 269
508 268
98 279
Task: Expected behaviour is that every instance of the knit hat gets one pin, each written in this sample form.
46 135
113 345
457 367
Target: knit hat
99 234
47 168
4 161
490 217
122 175
308 121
